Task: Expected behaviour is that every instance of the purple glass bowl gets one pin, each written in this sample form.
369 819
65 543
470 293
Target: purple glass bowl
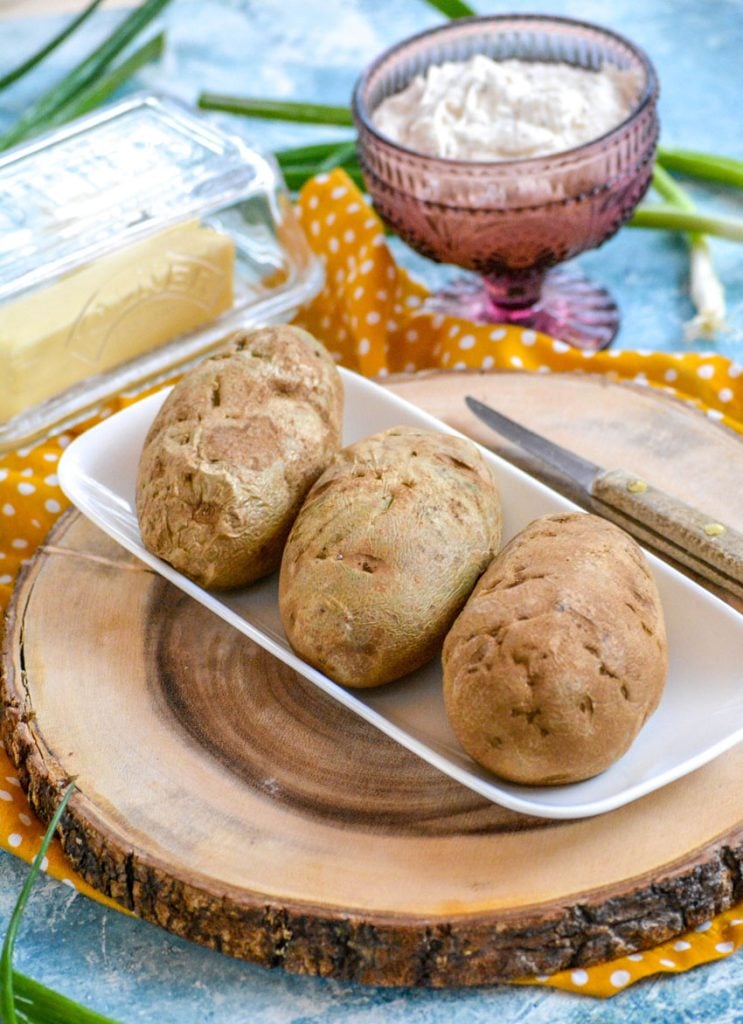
511 221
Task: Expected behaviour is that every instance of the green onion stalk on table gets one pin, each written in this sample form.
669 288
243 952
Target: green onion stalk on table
99 76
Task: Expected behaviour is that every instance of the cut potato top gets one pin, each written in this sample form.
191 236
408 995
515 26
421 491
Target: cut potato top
385 551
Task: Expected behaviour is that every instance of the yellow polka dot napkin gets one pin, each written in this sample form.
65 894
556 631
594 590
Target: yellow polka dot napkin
371 316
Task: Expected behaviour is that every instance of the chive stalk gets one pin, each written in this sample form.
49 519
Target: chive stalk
671 218
27 65
37 116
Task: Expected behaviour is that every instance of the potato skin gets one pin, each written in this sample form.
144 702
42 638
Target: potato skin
385 551
559 656
233 451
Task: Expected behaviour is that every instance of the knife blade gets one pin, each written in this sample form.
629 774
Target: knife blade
689 536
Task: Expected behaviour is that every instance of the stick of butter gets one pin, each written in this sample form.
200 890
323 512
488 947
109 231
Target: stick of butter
112 311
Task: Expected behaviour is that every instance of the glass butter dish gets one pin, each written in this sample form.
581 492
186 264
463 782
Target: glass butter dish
131 242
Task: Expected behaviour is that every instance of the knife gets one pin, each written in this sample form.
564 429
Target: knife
698 541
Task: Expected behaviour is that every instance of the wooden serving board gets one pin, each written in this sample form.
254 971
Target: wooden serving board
229 800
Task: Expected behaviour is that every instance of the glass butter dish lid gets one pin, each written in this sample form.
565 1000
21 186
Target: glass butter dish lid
131 242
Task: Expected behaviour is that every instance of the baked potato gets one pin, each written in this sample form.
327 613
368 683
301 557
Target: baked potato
560 655
385 551
233 452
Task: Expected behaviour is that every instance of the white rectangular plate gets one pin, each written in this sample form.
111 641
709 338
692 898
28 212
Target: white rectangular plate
700 715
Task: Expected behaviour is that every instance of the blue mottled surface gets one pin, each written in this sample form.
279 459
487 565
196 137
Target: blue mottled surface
311 49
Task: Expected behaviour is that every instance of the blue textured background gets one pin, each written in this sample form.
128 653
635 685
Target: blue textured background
314 49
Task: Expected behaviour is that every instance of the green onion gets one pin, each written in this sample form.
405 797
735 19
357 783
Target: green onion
296 176
723 169
7 1001
94 95
36 58
452 8
705 287
342 155
37 116
671 218
308 154
276 110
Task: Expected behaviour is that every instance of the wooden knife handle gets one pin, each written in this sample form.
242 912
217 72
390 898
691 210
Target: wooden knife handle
685 528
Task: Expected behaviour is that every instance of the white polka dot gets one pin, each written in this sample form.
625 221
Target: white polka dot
382 295
528 337
384 372
14 840
619 978
706 372
670 375
446 358
315 228
467 341
364 347
15 781
413 301
8 509
333 244
370 223
69 882
681 945
358 292
725 947
459 366
544 369
19 543
391 274
703 927
411 335
51 457
353 208
338 192
330 219
410 367
23 452
667 963
349 236
3 474
714 414
25 488
397 309
735 370
44 863
366 266
52 506
392 325
516 361
635 957
735 921
560 346
322 178
725 395
24 819
454 330
579 977
488 363
313 202
373 317
36 523
377 242
5 795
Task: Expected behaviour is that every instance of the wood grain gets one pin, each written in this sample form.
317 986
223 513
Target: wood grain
231 802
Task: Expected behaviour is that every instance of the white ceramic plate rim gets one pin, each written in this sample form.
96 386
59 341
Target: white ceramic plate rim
96 473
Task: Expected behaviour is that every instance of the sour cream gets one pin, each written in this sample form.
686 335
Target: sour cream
487 110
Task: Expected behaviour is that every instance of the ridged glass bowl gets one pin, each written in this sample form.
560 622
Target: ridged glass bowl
513 221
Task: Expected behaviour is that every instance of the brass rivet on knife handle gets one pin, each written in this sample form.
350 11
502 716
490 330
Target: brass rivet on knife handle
685 528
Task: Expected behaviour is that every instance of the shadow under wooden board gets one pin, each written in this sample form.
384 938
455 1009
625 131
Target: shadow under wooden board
230 801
